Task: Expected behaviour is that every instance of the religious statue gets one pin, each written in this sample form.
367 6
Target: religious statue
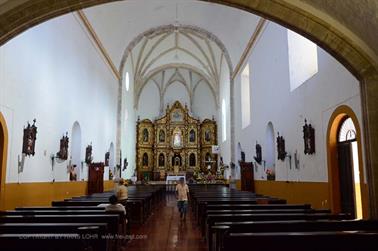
258 157
88 154
207 135
145 159
63 149
192 160
161 136
161 160
281 153
30 136
177 143
145 135
309 138
192 136
107 157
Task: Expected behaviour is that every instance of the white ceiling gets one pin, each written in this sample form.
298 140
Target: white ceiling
118 23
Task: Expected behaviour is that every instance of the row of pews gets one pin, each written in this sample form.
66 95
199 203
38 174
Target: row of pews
77 223
238 220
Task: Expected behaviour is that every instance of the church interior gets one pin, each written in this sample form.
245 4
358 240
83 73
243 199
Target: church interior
266 109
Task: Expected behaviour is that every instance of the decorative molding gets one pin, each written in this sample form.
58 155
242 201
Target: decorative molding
98 43
247 51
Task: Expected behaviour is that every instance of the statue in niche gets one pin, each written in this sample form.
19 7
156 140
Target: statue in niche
145 160
177 140
30 136
161 136
145 135
161 160
63 149
107 157
88 154
258 157
192 136
309 138
207 135
192 160
176 160
281 147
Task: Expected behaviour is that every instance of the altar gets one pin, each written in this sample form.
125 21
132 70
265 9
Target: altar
175 143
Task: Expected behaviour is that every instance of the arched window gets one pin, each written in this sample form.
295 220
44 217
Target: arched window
127 81
347 131
224 121
245 97
269 146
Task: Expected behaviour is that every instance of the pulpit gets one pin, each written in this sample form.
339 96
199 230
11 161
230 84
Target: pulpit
246 174
96 178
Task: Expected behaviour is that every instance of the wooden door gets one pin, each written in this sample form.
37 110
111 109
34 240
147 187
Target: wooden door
346 178
246 174
96 178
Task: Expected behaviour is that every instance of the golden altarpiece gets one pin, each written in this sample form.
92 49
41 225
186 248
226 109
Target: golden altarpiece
176 143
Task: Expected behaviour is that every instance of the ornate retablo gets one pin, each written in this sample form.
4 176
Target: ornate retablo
175 142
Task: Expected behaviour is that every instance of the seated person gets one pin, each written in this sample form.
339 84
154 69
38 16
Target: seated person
114 206
122 192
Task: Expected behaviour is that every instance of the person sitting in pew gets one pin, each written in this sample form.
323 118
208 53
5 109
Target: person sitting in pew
114 206
122 192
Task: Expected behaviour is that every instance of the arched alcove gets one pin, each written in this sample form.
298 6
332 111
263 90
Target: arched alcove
112 159
269 151
76 148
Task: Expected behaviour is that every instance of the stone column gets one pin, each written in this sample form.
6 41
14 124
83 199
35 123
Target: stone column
369 99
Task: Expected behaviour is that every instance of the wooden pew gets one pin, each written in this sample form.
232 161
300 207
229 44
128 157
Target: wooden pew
212 218
221 228
299 241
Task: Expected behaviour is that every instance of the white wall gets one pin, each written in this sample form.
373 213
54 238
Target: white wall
54 73
203 102
271 100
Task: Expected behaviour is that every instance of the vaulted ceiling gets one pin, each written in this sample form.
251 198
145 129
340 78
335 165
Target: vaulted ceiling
128 19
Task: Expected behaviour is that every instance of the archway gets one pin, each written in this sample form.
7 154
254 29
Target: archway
76 148
3 158
316 25
348 191
270 148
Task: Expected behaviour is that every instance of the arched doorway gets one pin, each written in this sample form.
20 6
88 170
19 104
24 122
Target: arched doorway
348 191
3 158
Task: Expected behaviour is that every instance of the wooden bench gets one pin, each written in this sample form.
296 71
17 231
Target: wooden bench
221 228
299 241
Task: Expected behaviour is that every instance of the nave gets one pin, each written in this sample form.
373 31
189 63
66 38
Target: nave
165 231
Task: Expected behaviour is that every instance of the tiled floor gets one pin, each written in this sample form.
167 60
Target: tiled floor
165 231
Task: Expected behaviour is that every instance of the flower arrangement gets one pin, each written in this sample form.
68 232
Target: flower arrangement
270 175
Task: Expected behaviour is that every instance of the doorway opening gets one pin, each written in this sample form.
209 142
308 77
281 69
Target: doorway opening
348 190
